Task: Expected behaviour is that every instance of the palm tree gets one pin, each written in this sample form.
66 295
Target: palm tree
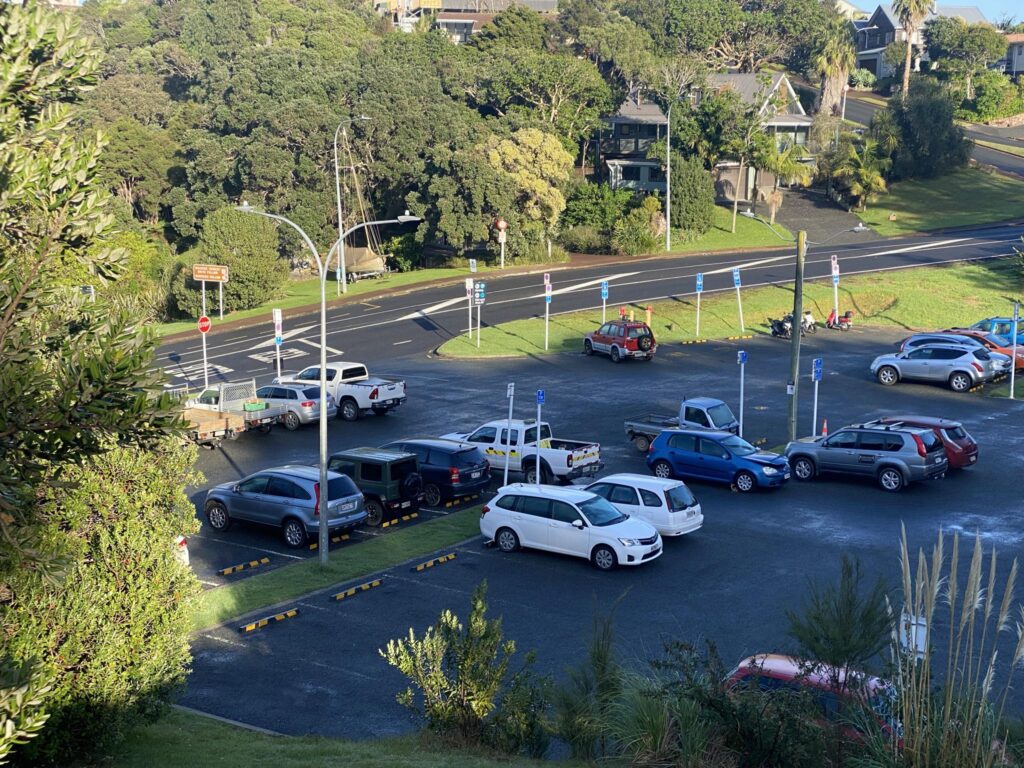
910 13
833 59
862 172
784 163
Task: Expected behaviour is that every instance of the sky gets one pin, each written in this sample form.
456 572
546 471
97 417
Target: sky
994 10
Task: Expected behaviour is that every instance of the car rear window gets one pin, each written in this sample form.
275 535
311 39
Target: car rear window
531 434
471 457
340 487
680 498
982 354
931 441
312 393
637 331
402 469
955 433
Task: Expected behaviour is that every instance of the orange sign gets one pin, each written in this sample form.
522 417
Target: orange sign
211 273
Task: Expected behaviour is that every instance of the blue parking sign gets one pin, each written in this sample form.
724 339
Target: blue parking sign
540 397
736 278
604 289
700 282
741 357
816 369
835 279
277 340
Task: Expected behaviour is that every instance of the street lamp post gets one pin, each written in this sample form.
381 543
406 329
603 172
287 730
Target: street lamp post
668 180
321 265
343 282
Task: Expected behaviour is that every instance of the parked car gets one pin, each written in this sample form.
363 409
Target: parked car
953 339
716 456
450 469
668 505
694 413
833 690
1001 326
894 454
993 343
961 449
288 498
621 340
353 389
559 457
389 480
301 403
959 367
569 521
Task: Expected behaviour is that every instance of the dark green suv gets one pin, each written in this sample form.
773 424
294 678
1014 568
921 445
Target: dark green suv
389 479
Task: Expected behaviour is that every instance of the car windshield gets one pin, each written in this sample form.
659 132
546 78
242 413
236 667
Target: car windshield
738 446
600 512
997 341
721 415
680 498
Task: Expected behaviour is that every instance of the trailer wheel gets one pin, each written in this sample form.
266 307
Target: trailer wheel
264 428
642 443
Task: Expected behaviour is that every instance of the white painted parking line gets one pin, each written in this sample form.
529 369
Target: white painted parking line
264 550
407 341
341 670
316 345
223 640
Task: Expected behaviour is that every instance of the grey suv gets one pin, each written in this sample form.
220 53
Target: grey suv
288 498
894 455
959 367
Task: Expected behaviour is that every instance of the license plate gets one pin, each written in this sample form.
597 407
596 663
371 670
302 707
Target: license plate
475 475
973 459
406 504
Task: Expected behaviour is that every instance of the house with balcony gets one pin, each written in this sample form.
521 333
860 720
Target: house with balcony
405 14
1013 64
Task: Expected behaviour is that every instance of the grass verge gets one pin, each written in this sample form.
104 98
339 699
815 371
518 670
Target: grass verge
301 293
346 563
1018 151
905 299
749 234
181 738
958 199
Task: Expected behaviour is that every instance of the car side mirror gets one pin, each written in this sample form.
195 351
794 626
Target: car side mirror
578 525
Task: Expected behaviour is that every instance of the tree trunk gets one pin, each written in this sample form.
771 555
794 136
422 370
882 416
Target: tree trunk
736 195
907 63
969 86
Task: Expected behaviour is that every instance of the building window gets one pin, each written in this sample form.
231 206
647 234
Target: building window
625 129
656 174
631 173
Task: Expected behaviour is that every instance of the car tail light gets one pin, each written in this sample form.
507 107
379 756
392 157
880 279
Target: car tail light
650 445
484 510
978 367
374 393
568 461
920 446
454 473
316 504
308 403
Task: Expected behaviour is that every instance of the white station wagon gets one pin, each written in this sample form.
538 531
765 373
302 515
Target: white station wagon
666 504
569 521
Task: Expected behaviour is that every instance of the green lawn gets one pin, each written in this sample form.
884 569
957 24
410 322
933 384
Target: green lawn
347 562
181 738
1018 151
958 199
301 293
749 234
901 299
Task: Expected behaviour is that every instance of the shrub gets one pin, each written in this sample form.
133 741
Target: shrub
584 239
862 78
693 196
404 254
595 205
114 633
633 234
459 674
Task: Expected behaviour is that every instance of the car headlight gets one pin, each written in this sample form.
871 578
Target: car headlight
770 471
628 542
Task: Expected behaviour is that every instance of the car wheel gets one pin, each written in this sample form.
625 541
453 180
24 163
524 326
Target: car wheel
663 470
349 410
374 513
891 479
291 421
803 468
588 348
432 495
264 428
294 533
960 382
217 516
887 375
745 482
642 443
603 558
506 540
531 475
616 358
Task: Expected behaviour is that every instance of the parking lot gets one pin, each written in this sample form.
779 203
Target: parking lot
731 582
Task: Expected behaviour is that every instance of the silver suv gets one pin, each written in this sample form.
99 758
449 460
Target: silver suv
288 498
893 454
302 402
959 367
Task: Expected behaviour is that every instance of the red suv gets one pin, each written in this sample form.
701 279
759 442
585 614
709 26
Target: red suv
622 339
961 450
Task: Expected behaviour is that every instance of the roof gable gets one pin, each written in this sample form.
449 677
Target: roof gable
750 88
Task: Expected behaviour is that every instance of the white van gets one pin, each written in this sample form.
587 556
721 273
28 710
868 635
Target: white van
569 521
666 504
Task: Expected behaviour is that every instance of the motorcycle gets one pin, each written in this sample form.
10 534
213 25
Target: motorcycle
841 322
808 324
782 329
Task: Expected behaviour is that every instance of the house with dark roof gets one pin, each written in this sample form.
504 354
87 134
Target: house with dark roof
1013 63
623 143
884 27
460 26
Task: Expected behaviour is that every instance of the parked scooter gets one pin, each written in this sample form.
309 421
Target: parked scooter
808 324
842 322
783 328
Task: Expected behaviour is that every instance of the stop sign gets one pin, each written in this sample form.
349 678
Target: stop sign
501 224
204 324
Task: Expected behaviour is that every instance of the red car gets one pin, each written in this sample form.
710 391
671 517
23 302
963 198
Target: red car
832 688
621 340
961 450
992 342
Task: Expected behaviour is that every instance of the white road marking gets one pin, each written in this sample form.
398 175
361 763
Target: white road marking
224 640
195 370
397 343
264 550
316 345
286 354
285 335
420 313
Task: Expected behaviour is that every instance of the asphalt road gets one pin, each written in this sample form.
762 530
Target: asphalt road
320 672
374 331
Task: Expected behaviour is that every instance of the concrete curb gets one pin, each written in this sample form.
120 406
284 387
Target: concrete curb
226 720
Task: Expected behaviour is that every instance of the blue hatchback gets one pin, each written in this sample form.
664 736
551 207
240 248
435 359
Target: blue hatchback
716 456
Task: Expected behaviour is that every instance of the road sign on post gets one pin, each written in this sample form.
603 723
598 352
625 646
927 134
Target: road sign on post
472 265
211 273
547 312
501 226
204 328
700 290
510 393
739 302
204 324
277 338
540 402
816 369
835 286
479 297
604 299
741 360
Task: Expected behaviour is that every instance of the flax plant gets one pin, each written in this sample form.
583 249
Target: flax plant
955 721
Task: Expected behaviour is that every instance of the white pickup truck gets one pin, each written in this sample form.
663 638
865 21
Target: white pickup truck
562 460
353 389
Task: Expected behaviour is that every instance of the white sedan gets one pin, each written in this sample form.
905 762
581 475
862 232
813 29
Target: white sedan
666 504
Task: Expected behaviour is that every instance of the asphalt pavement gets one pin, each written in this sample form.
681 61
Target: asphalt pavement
320 672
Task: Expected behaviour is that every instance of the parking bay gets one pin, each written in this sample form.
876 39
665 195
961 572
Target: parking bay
730 582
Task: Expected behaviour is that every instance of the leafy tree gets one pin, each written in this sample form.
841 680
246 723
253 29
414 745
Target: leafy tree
931 143
137 166
862 172
623 49
708 128
517 27
595 205
895 54
910 13
693 195
833 59
964 49
635 233
785 163
537 165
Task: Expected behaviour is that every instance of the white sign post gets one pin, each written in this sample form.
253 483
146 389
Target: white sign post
741 359
479 297
547 312
277 339
502 225
835 286
540 402
700 290
204 328
1013 355
816 376
604 299
469 306
510 393
739 301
